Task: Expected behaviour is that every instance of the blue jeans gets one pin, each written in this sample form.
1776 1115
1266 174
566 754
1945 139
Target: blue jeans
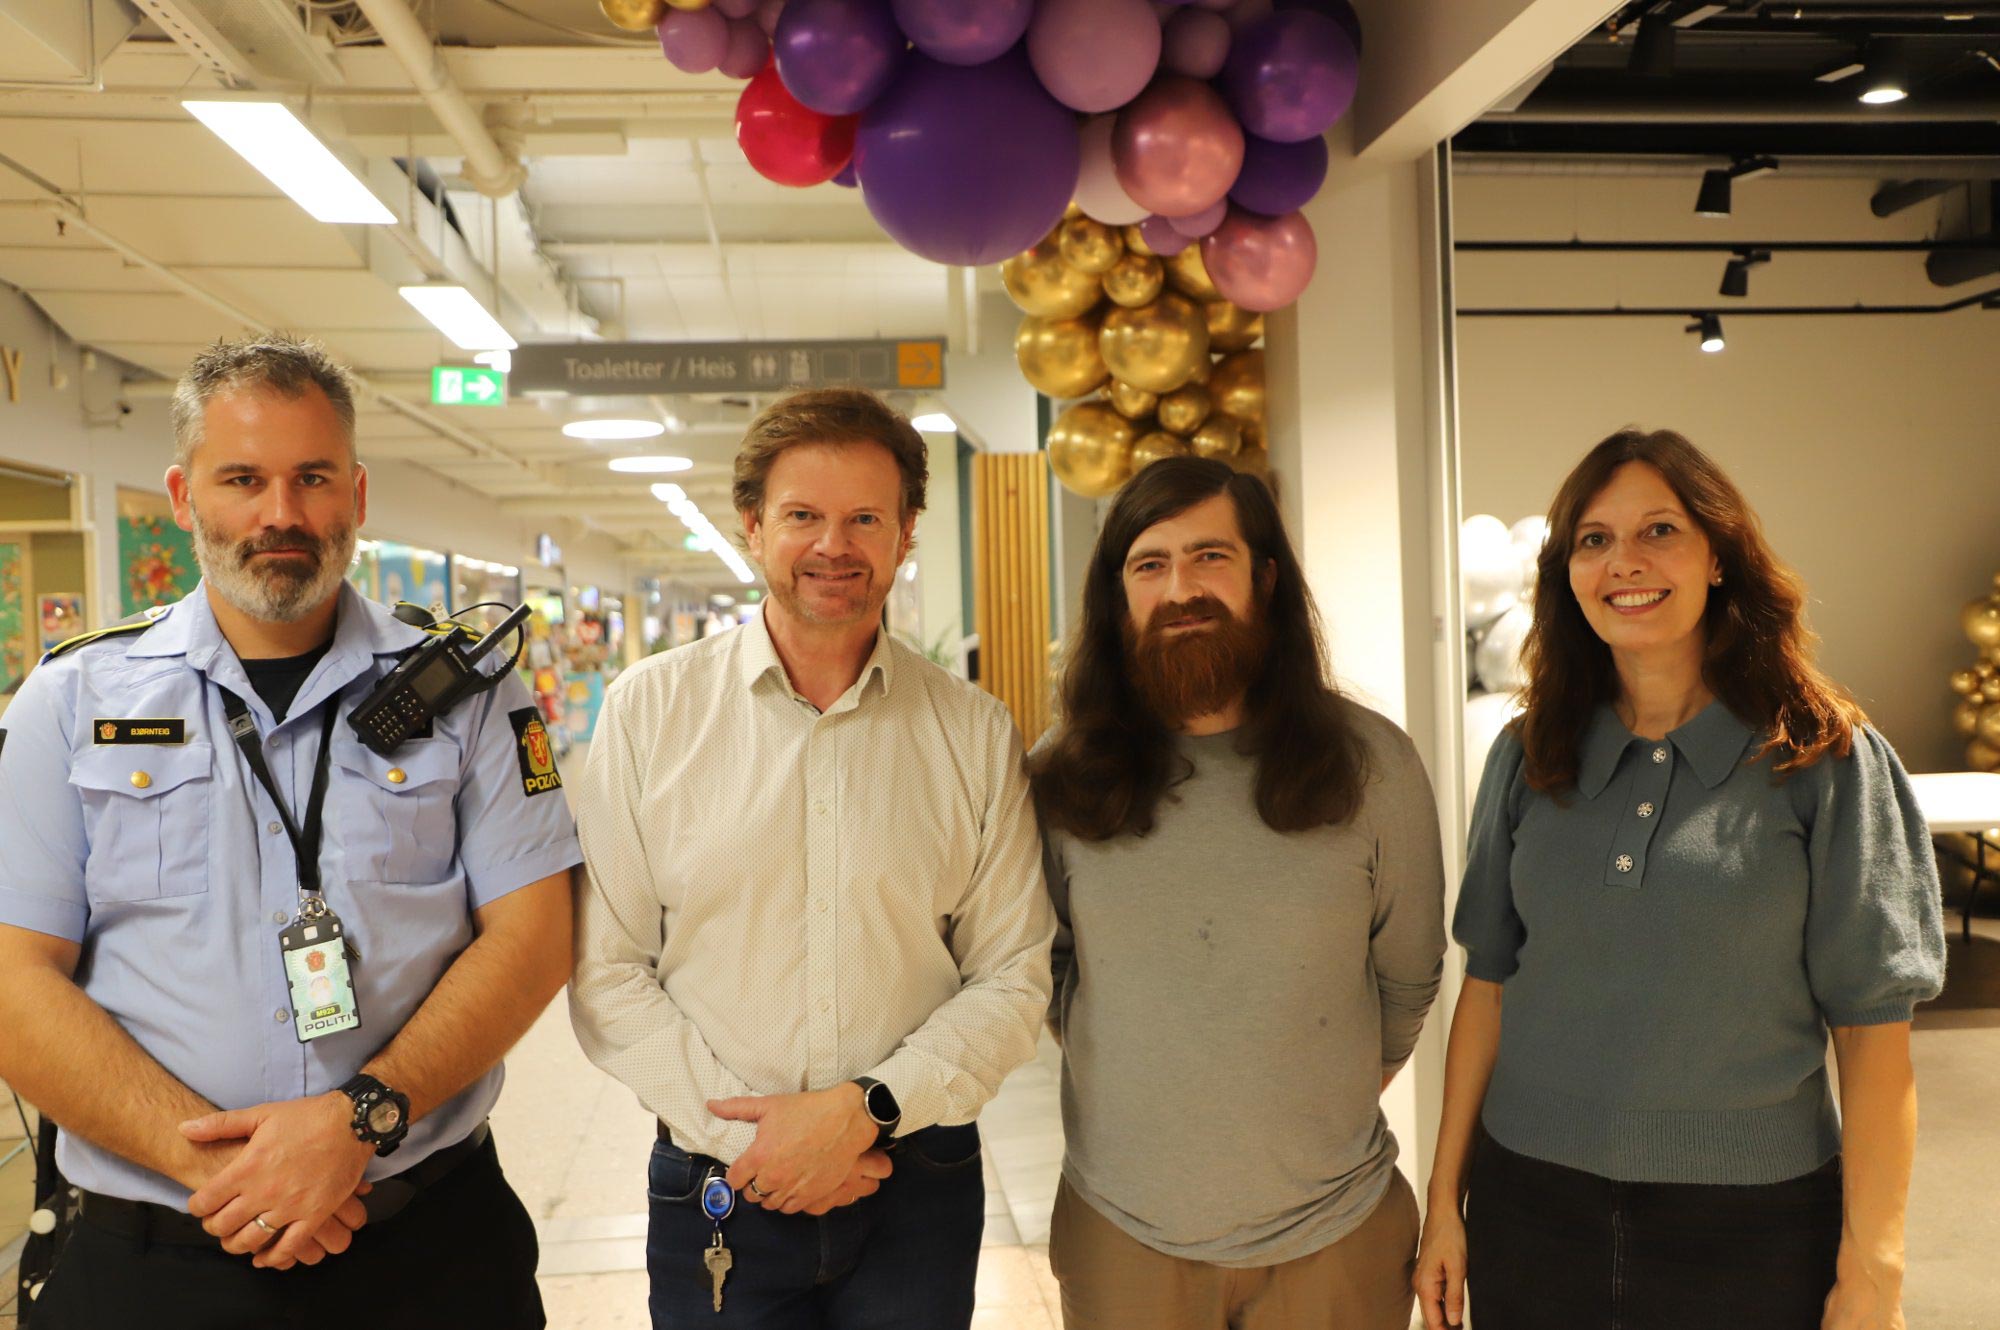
902 1259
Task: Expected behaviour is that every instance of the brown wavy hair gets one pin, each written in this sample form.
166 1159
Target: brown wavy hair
1110 761
1758 657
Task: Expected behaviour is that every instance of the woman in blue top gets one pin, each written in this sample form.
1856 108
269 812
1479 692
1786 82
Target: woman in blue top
1690 859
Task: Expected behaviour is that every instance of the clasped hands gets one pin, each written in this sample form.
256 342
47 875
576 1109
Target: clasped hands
814 1151
291 1191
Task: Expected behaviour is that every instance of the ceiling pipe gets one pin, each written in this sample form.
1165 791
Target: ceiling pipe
1681 165
1602 105
1990 299
490 169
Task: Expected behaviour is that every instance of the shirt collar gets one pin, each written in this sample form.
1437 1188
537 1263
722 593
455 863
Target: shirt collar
1712 742
757 658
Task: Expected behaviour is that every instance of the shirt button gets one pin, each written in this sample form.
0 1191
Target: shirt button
1624 864
1645 810
822 907
819 808
825 1005
281 1015
1660 754
278 916
273 827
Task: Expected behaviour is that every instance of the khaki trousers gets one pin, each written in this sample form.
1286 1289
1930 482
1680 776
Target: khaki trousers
1112 1281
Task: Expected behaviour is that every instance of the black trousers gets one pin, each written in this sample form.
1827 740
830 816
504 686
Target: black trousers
1554 1248
462 1253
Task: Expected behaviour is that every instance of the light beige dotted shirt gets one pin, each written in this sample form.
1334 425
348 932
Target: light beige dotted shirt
780 900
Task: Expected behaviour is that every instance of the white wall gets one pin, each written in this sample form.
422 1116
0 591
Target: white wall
1869 446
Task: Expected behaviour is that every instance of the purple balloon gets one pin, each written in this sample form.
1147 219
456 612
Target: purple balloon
1278 178
845 177
693 40
1338 10
836 56
967 164
1161 237
736 8
964 32
767 15
749 49
1195 42
1290 75
1201 223
1094 55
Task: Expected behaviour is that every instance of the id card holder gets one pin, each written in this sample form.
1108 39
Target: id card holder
315 951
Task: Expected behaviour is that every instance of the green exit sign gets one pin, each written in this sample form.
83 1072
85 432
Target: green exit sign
467 385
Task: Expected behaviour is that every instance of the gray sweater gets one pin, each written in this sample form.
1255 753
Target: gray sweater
1229 997
1676 935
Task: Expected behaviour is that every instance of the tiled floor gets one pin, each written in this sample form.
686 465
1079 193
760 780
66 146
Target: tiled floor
574 1143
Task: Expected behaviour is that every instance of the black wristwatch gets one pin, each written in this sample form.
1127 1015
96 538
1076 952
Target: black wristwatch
381 1115
879 1102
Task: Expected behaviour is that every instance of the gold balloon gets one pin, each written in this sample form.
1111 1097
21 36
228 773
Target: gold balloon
633 15
1152 447
1135 280
1043 285
1981 620
1251 461
688 4
1987 724
1089 246
1219 438
1059 356
1982 756
1188 275
1238 385
1090 448
1073 210
1230 327
1965 682
1135 243
1157 348
1131 403
1990 688
1202 371
1965 717
1182 410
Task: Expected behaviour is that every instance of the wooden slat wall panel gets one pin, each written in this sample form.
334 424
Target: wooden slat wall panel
1010 583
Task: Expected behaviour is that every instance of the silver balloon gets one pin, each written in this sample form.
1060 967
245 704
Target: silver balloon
1497 658
1489 571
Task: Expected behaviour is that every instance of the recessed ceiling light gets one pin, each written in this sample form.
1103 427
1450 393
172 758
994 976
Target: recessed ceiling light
614 429
650 466
935 422
1884 94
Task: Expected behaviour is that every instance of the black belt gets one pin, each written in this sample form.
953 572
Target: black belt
143 1221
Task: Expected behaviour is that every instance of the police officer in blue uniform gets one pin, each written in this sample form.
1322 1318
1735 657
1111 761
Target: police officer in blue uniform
260 974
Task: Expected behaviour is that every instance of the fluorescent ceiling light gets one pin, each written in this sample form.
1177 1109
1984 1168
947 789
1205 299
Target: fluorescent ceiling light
936 422
650 466
668 492
614 429
454 312
500 360
269 137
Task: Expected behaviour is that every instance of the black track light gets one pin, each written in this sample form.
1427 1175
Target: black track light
1714 198
1653 48
1710 328
1736 273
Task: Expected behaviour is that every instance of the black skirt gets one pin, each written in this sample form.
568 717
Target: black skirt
1555 1248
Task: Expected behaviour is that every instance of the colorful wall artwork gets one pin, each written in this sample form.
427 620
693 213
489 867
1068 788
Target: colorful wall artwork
158 562
13 604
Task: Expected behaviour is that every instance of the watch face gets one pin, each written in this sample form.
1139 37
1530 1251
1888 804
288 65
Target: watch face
384 1117
881 1104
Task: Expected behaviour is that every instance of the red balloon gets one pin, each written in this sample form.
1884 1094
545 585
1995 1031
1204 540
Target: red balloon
786 141
1260 263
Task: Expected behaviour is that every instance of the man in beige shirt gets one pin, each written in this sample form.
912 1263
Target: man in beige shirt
815 937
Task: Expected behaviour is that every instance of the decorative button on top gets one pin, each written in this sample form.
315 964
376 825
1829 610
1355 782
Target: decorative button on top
1660 753
140 780
1624 864
396 776
279 916
273 827
1645 810
281 1015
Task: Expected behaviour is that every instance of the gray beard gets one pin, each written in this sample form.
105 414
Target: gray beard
275 596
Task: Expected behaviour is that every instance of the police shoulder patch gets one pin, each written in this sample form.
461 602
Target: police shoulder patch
536 754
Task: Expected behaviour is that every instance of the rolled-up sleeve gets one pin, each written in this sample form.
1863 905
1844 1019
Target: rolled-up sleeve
1874 922
41 815
1486 924
1406 940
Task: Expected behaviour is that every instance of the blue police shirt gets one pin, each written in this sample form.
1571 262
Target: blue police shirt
168 863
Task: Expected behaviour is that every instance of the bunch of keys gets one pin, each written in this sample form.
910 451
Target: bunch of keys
718 1201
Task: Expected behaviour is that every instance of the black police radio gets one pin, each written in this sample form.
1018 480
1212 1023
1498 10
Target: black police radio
429 681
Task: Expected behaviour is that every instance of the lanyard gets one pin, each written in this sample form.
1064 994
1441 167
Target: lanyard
304 839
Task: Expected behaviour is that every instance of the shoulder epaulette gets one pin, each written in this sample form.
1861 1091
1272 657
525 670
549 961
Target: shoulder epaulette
138 625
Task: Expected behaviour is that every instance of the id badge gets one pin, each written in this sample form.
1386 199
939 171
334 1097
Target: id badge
315 949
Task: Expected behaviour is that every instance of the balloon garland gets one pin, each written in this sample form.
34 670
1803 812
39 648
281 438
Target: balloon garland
1137 167
1976 718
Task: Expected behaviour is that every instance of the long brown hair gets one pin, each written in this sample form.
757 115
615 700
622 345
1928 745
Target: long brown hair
1758 657
1110 760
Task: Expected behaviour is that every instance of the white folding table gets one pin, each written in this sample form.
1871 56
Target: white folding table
1969 802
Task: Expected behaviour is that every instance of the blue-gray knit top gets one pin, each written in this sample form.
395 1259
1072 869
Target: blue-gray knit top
1676 934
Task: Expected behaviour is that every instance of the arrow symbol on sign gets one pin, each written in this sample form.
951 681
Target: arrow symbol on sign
482 388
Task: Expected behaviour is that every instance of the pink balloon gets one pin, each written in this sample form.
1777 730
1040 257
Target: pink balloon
1260 263
1203 222
1177 147
747 51
1098 192
693 40
1161 238
1094 55
767 15
736 8
1195 42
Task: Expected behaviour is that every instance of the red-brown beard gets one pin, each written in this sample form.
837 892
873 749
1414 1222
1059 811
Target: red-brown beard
1179 676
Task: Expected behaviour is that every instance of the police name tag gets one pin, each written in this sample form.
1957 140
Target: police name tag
316 970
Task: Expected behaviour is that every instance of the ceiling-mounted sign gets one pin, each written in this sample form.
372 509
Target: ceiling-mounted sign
601 369
467 385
